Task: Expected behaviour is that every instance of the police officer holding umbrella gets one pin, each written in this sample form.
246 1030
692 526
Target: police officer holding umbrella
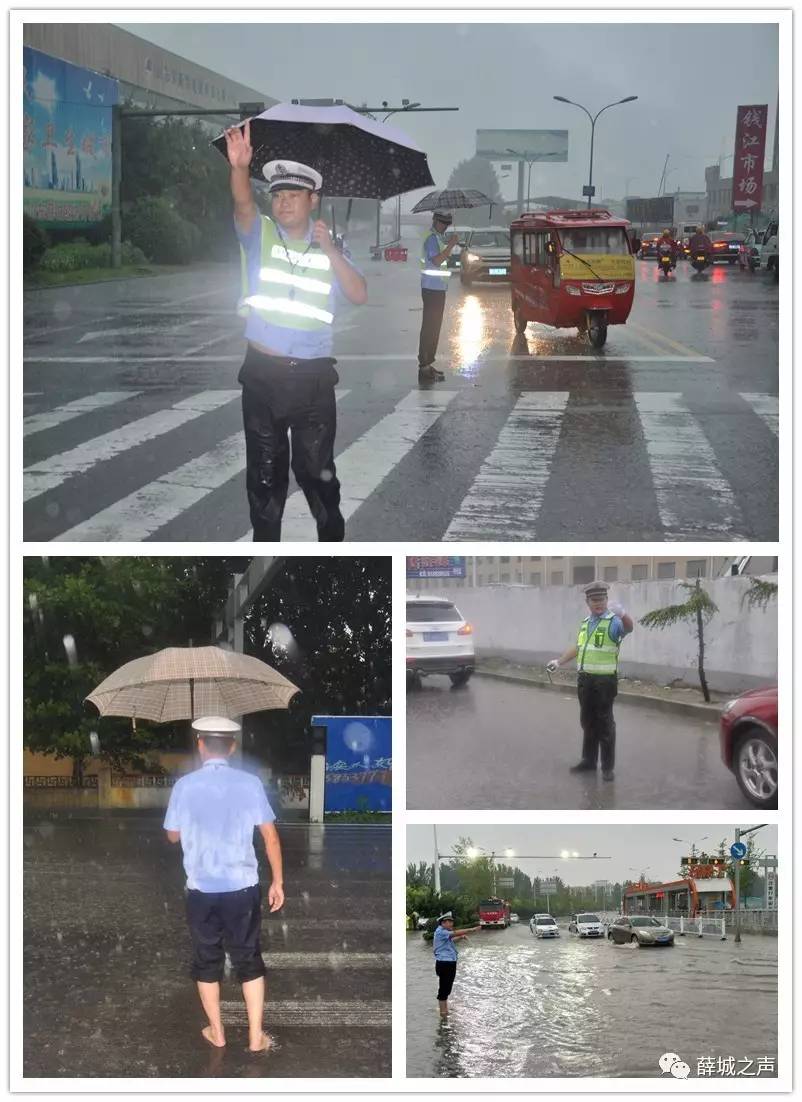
435 274
292 279
596 652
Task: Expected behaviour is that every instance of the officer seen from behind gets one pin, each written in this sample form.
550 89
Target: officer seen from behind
596 653
292 275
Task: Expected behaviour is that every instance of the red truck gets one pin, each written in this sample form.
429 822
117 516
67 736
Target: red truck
494 912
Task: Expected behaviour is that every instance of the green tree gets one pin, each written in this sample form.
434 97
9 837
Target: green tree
420 875
83 618
698 609
759 594
474 874
477 172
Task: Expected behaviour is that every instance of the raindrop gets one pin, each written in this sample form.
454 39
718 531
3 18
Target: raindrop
62 310
281 637
94 742
358 737
326 475
71 649
52 508
59 936
147 630
33 601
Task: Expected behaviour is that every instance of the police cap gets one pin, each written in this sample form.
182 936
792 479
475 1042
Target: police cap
597 589
291 176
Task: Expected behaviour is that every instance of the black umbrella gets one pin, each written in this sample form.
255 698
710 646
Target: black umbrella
356 156
451 199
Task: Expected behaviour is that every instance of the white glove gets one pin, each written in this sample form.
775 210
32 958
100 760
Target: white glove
553 665
617 609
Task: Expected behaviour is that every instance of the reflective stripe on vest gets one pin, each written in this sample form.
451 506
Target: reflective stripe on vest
597 653
305 304
439 273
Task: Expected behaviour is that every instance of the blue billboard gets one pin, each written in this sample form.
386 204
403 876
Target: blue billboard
66 141
435 566
359 762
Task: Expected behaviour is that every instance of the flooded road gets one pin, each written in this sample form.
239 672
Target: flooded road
569 1007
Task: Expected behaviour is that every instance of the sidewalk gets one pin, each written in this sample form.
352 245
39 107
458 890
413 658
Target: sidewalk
106 986
679 699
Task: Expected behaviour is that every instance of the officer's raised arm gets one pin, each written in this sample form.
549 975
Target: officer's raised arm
239 153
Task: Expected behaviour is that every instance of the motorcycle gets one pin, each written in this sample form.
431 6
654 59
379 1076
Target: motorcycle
700 261
665 260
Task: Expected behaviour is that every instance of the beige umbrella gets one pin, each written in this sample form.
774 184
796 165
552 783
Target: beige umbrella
187 682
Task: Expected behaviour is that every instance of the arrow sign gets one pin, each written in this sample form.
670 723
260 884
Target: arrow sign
737 850
744 203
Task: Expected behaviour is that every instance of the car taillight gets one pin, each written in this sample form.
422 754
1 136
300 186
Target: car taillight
466 629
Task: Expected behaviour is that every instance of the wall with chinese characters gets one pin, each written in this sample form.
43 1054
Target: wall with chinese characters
359 762
66 155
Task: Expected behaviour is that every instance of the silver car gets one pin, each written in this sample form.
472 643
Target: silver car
641 930
486 255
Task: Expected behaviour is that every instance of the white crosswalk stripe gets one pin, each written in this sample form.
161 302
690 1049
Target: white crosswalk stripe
51 472
334 1013
505 499
506 489
38 422
694 499
767 407
142 513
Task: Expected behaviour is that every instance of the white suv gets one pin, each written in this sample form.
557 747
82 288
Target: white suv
439 640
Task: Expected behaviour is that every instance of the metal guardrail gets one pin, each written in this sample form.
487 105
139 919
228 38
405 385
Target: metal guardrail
59 782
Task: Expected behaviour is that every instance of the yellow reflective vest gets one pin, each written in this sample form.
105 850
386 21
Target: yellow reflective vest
597 652
294 282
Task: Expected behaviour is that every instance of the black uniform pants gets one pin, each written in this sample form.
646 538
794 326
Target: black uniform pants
283 401
434 303
225 920
446 972
596 692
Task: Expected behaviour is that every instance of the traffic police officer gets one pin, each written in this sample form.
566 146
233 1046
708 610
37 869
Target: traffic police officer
292 273
445 956
435 274
596 653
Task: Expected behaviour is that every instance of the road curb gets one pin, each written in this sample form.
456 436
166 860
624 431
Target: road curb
658 704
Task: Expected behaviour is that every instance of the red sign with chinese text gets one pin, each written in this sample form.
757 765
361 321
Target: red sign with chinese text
750 151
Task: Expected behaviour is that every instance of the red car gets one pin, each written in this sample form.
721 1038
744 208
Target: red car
748 734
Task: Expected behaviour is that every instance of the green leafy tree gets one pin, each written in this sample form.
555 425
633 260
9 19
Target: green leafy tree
759 594
477 172
699 609
420 875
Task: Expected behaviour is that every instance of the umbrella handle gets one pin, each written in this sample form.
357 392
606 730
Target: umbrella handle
191 698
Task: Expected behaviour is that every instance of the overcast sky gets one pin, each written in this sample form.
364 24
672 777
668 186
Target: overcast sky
632 849
689 79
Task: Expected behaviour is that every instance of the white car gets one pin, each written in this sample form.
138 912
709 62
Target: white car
544 926
486 256
586 925
439 640
514 917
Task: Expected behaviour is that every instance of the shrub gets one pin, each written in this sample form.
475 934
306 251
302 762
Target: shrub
164 236
35 243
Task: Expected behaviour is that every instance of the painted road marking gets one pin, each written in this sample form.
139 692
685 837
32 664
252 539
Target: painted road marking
363 465
694 499
56 469
687 353
38 422
142 513
339 1013
327 961
505 499
767 407
138 330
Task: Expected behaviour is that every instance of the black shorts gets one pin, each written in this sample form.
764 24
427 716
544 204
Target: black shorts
221 922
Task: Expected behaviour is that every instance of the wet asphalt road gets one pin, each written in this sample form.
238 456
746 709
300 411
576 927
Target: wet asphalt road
670 432
498 745
523 1006
107 990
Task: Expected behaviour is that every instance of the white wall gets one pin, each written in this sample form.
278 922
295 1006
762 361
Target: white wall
533 624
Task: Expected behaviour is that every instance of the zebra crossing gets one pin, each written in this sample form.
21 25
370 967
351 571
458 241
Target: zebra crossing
506 494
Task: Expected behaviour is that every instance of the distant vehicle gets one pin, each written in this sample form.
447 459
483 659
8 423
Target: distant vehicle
586 925
648 245
486 255
748 739
514 917
642 930
494 912
544 926
423 922
726 247
460 232
759 250
439 640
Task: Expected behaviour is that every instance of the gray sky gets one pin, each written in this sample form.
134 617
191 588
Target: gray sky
504 76
637 847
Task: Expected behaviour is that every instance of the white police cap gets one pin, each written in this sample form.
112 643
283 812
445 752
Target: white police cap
283 175
215 725
448 914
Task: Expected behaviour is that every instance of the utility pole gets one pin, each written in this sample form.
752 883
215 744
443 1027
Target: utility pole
436 863
739 835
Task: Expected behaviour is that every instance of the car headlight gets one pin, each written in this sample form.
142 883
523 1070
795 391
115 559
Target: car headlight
572 290
729 706
472 257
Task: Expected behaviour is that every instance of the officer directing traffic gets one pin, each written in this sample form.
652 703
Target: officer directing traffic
435 274
596 653
292 277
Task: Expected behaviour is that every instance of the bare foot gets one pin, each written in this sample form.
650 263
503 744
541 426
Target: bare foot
263 1046
216 1040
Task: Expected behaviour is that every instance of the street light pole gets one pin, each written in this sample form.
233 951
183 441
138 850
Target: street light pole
593 118
524 157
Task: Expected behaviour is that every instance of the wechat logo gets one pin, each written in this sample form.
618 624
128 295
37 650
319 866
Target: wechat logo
671 1062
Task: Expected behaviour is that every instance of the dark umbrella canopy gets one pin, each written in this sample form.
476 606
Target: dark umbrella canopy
357 157
451 199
